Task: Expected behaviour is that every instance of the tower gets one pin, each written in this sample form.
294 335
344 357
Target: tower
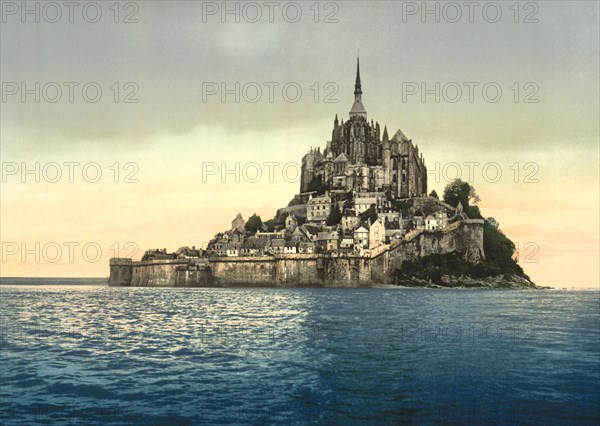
358 110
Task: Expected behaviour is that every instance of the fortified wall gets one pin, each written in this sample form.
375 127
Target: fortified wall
301 270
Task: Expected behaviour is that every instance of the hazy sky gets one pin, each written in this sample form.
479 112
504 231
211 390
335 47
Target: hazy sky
541 131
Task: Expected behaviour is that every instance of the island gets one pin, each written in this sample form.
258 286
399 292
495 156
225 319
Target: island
362 218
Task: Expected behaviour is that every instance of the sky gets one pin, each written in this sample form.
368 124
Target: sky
152 124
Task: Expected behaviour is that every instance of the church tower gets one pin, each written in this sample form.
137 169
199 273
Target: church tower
358 110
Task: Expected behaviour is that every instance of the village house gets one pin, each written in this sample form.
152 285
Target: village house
291 223
188 253
376 234
361 238
327 241
307 247
347 242
363 201
290 248
232 250
276 246
318 209
350 221
311 231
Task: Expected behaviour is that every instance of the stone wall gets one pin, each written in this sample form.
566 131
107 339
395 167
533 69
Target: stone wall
466 239
239 271
120 272
299 270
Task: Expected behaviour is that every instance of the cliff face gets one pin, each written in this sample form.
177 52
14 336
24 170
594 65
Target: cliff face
466 240
301 270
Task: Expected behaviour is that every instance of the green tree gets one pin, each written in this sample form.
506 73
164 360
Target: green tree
493 222
499 250
271 224
316 185
335 215
458 190
254 223
369 214
434 194
349 200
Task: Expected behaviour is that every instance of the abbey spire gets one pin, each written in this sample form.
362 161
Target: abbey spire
357 88
358 110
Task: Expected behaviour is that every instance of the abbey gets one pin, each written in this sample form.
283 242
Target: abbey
360 158
361 212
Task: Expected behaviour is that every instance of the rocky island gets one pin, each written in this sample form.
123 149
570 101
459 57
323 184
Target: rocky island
362 218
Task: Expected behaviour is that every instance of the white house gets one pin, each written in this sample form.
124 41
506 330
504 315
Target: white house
431 223
361 238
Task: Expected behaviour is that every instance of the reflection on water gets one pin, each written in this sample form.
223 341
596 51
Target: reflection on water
99 355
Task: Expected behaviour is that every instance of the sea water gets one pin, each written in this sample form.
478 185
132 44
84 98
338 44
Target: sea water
178 356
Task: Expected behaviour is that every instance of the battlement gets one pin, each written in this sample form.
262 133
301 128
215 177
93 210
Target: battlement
120 261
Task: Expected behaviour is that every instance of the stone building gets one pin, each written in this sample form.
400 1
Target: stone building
291 223
318 208
349 221
361 237
376 234
362 158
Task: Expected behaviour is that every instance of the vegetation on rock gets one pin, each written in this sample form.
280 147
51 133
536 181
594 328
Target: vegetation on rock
335 215
254 224
443 269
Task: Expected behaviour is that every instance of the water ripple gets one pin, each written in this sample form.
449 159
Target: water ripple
99 355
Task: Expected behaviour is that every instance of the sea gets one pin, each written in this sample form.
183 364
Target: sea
82 354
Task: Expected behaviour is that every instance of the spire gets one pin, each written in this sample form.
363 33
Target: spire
357 88
358 110
385 134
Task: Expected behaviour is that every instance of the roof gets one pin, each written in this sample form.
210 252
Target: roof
400 137
358 108
377 222
361 229
311 229
341 158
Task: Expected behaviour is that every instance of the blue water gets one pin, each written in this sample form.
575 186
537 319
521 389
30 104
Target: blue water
99 355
